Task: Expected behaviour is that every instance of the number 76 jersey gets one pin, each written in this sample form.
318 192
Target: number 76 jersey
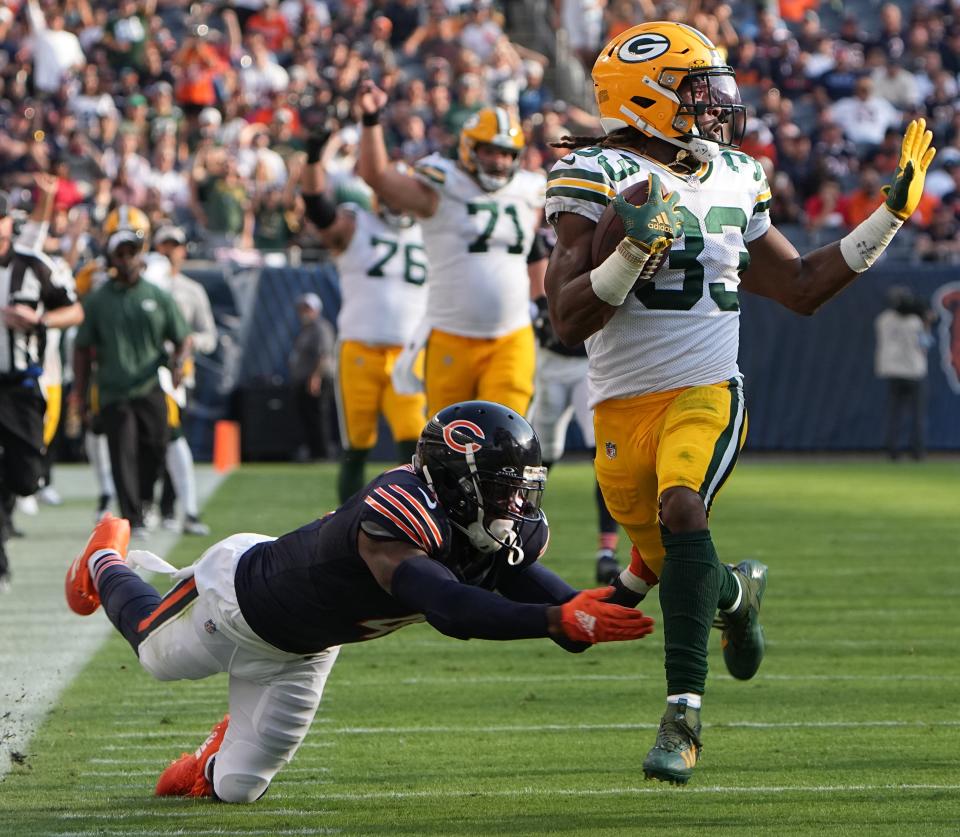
682 328
477 243
382 276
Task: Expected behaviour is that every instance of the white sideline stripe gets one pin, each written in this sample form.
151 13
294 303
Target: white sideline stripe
444 730
31 680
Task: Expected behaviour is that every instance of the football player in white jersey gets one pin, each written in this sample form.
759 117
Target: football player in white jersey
478 215
383 270
668 399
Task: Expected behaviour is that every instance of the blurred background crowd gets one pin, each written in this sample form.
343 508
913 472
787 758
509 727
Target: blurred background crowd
198 112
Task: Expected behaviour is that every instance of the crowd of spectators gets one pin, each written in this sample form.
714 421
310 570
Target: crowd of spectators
198 112
830 90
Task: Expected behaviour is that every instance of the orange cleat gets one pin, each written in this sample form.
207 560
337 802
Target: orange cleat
110 533
186 776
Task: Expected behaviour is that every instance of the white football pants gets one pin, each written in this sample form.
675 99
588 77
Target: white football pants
273 695
560 394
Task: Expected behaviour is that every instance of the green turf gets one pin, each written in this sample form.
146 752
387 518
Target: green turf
851 727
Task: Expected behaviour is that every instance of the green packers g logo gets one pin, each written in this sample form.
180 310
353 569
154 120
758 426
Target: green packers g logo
644 47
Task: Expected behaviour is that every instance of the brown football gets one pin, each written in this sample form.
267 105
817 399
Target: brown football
609 232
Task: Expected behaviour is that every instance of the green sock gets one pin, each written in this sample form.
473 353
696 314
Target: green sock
729 588
406 448
689 591
350 479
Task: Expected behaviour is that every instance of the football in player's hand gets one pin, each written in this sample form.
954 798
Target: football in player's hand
609 232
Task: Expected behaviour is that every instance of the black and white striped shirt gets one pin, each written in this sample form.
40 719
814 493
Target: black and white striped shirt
28 278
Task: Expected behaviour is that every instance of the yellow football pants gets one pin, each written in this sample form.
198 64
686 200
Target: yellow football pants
364 391
685 437
490 369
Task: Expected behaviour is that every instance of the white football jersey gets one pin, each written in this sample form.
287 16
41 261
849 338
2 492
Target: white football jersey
383 273
477 243
683 327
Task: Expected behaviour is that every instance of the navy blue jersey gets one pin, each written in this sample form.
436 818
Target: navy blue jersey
310 589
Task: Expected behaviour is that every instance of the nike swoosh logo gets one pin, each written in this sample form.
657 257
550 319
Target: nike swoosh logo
431 504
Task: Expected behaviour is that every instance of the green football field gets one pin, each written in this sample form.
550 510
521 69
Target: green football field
852 725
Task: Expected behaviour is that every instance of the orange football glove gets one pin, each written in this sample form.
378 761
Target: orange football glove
588 618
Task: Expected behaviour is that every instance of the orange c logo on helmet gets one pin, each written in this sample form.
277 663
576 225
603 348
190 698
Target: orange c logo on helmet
461 447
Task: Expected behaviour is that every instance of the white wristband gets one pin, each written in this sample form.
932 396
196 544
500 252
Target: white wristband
615 277
865 243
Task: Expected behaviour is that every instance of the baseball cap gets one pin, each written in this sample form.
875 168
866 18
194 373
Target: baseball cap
311 300
170 233
125 236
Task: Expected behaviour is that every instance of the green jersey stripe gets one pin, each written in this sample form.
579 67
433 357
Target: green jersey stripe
577 174
580 194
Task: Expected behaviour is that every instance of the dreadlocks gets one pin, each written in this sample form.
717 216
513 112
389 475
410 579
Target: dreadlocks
625 137
630 137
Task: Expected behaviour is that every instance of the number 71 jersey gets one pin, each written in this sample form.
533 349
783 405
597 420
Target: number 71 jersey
682 328
382 276
477 243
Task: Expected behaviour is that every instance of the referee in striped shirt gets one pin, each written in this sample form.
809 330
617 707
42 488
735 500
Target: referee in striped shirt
31 301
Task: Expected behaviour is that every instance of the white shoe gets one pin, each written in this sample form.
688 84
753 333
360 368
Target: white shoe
192 526
28 505
151 517
4 583
50 496
171 524
140 533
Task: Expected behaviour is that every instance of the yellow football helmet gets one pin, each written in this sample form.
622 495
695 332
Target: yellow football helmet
126 217
668 81
499 128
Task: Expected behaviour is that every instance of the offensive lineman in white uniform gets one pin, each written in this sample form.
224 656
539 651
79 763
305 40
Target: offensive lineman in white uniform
667 394
478 215
383 270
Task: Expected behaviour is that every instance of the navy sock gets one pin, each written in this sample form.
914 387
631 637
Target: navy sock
126 598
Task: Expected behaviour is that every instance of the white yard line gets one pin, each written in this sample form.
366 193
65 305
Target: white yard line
44 644
456 729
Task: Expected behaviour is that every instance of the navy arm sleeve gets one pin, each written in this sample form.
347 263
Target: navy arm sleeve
460 610
535 583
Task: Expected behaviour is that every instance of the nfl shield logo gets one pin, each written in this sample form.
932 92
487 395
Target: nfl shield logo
611 448
210 626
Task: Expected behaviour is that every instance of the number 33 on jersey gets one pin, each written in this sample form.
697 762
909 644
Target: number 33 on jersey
478 243
681 328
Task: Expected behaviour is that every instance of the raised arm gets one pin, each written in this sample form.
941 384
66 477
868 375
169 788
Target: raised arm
403 192
336 226
804 283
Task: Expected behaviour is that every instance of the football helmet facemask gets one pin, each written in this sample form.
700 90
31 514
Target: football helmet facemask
668 81
482 460
494 127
